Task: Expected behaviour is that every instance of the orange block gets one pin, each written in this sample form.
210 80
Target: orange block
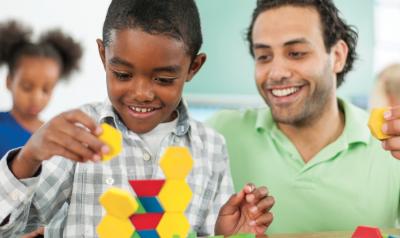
375 123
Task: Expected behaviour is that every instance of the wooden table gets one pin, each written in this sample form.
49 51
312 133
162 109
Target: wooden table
336 234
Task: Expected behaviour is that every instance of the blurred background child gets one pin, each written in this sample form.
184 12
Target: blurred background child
387 87
34 68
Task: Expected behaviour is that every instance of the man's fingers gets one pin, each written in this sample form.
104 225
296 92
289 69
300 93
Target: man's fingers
262 206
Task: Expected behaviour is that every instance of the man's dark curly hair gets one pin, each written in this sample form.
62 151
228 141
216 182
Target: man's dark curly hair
16 42
333 26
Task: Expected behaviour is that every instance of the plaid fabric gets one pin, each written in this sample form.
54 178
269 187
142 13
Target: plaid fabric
65 195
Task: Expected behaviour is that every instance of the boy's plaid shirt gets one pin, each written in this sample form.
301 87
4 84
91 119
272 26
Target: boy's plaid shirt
65 195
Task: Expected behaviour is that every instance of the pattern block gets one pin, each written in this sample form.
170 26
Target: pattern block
176 162
118 203
147 221
146 188
113 138
175 196
151 204
375 123
173 224
111 226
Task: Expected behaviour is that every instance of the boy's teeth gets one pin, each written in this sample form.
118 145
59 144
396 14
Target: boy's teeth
138 109
284 92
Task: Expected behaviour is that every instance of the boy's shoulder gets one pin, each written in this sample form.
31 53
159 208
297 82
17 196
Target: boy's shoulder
205 132
97 110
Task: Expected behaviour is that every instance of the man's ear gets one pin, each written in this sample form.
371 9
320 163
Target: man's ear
196 65
102 52
340 51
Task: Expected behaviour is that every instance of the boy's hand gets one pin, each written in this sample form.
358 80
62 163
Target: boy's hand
246 212
34 234
72 134
392 128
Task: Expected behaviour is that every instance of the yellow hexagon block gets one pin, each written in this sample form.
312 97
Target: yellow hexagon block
375 123
113 138
176 162
175 196
111 227
173 224
118 203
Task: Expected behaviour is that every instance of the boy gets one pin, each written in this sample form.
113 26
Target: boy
149 50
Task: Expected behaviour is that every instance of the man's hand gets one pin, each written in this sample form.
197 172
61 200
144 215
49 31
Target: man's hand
246 212
392 128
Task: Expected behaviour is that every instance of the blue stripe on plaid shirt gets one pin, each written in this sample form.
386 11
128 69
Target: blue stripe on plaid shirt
65 195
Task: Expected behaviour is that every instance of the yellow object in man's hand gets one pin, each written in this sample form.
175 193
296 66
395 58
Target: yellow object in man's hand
113 139
376 121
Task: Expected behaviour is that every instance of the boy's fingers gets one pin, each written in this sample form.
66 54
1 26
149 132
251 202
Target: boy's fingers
84 137
72 149
232 205
77 116
392 113
257 195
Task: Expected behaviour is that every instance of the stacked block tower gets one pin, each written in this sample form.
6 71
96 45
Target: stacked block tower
158 210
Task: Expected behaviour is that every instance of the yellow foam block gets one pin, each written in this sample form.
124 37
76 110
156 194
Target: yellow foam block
175 195
177 221
176 162
118 203
111 227
375 123
113 138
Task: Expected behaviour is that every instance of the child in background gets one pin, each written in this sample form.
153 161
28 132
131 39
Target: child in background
33 71
149 50
387 88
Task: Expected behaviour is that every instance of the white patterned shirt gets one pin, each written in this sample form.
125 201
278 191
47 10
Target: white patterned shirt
64 196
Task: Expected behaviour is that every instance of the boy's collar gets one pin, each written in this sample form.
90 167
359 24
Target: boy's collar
109 116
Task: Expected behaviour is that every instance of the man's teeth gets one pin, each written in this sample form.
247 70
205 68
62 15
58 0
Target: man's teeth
141 109
284 92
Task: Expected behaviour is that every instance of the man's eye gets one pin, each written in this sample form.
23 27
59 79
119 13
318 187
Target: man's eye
122 76
264 58
297 55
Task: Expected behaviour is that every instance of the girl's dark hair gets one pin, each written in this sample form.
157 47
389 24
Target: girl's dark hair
15 43
334 27
176 18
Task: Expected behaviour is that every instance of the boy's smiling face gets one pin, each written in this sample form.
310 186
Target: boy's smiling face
145 76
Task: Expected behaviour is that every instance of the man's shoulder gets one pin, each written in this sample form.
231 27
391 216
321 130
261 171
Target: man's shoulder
229 119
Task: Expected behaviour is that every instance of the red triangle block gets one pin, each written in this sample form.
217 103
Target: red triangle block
146 221
146 188
366 232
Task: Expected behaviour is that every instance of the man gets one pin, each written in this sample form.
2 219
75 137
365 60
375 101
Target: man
312 149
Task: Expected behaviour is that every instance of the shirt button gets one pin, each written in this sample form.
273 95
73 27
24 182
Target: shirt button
14 195
146 157
109 181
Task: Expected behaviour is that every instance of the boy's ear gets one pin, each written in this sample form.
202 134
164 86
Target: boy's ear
102 51
196 64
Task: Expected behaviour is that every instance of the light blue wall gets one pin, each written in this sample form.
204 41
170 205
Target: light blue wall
229 67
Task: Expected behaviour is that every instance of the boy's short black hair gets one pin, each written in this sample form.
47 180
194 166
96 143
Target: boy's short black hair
334 27
176 18
15 43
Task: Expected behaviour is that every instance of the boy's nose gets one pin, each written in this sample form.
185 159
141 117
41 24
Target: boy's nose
142 90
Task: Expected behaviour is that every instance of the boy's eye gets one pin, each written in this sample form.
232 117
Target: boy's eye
164 80
122 76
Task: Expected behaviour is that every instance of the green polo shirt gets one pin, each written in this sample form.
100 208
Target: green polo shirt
351 182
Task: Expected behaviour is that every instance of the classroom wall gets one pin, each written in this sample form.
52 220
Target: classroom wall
227 77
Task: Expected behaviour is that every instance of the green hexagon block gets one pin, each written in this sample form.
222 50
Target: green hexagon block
173 224
175 196
111 226
176 162
118 203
